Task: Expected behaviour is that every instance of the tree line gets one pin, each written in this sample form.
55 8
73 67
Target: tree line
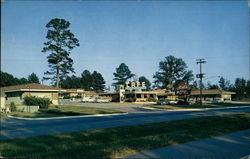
87 81
240 86
9 80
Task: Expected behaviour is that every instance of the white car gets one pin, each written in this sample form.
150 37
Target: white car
88 100
102 100
173 102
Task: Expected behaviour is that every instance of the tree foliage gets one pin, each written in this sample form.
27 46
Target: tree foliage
224 84
71 82
32 78
9 80
212 86
147 82
240 87
98 82
60 43
172 71
87 81
122 74
194 86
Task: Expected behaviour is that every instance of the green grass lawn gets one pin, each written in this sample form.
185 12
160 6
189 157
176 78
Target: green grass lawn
121 141
197 106
64 110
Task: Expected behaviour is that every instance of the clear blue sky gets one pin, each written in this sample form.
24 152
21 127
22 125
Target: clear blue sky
139 33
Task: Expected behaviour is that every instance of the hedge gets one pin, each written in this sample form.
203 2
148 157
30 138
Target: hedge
43 103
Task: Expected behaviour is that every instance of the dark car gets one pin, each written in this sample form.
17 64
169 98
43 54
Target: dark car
163 102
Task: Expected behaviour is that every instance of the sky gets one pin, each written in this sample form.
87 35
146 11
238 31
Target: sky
138 33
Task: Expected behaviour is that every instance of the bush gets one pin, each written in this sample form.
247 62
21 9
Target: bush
66 97
43 103
130 100
151 99
12 107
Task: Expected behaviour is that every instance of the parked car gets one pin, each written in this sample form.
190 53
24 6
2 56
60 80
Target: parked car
163 102
102 100
182 102
173 102
88 100
216 101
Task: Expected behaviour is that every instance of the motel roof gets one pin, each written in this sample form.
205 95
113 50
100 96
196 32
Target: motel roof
29 87
212 92
75 90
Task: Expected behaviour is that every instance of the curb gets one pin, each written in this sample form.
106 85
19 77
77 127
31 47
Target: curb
65 117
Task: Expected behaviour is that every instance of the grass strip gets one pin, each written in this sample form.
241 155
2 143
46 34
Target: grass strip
64 110
197 106
120 141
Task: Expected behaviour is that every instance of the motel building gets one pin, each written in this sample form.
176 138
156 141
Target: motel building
17 93
136 92
209 95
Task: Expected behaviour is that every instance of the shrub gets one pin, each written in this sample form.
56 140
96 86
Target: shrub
12 107
66 97
130 99
43 103
151 99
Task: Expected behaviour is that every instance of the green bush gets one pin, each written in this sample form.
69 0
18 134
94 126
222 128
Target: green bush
151 99
12 107
130 100
43 103
66 97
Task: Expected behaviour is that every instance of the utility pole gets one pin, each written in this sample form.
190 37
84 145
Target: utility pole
201 75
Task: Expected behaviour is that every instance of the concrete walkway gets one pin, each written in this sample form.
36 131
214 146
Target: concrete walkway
229 146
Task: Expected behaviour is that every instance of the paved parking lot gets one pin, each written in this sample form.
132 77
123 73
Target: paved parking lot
125 107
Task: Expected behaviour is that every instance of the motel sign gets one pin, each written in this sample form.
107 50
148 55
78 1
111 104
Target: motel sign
133 86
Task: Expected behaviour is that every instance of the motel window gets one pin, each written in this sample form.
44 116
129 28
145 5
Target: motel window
138 95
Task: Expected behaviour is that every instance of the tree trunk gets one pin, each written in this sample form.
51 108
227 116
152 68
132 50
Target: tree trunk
57 76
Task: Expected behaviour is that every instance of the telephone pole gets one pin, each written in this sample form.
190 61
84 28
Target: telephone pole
200 75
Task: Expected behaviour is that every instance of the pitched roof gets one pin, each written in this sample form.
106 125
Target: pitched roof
213 91
28 87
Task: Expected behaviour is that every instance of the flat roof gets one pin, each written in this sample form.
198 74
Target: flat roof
212 92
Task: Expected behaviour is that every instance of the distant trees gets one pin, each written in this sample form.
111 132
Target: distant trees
240 87
71 82
98 82
147 82
172 71
122 74
194 86
87 81
9 80
32 78
224 83
92 81
212 86
60 43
